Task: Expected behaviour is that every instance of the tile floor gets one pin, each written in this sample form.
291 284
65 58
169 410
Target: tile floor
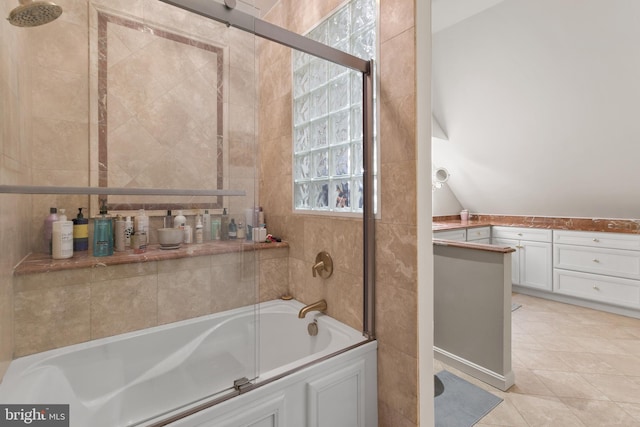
574 367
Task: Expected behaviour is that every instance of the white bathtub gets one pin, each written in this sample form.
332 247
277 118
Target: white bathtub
135 378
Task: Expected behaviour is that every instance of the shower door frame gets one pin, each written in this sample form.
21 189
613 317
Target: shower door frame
246 22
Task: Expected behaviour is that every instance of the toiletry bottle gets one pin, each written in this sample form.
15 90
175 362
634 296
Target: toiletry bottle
62 237
168 220
103 233
233 229
224 225
188 234
120 234
260 216
199 231
139 242
80 232
206 226
128 231
179 221
48 228
215 228
240 230
142 224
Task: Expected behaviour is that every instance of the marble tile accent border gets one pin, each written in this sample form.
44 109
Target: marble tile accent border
631 226
103 168
42 263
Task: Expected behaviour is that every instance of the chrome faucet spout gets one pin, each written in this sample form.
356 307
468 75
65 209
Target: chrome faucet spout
316 306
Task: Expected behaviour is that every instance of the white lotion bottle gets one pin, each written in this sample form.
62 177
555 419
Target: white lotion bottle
62 237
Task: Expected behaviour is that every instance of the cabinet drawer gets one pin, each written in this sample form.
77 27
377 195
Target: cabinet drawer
486 241
518 233
478 233
611 262
611 290
597 240
459 234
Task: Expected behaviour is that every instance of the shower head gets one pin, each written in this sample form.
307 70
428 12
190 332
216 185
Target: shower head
33 13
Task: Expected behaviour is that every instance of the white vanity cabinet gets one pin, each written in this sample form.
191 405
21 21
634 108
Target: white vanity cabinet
458 234
601 267
531 263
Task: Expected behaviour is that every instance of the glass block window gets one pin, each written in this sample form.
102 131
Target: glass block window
327 114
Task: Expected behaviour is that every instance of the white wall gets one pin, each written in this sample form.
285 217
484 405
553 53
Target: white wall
540 102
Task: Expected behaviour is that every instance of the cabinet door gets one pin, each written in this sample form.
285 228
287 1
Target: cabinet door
515 257
535 265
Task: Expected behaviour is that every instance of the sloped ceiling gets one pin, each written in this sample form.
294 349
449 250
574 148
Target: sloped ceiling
445 13
541 103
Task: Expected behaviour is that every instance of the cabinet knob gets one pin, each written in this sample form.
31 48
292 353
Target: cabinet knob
595 287
596 240
519 246
519 234
596 260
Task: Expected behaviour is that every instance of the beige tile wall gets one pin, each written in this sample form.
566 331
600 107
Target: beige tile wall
15 169
396 239
68 307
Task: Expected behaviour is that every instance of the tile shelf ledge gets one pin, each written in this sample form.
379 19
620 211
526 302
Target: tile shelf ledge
115 191
43 263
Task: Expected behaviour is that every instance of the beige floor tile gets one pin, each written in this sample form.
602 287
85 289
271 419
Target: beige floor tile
586 362
537 328
616 387
545 360
635 331
632 409
600 345
557 343
544 411
525 341
528 383
629 346
599 413
569 384
625 364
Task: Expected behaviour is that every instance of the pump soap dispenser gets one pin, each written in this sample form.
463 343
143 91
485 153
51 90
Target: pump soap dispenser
103 233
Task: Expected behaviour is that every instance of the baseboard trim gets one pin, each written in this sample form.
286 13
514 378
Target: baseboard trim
502 382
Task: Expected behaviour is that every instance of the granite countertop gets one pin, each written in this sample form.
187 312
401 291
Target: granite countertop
453 222
630 226
42 263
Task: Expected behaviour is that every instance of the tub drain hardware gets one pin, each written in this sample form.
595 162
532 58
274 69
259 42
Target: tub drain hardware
312 328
